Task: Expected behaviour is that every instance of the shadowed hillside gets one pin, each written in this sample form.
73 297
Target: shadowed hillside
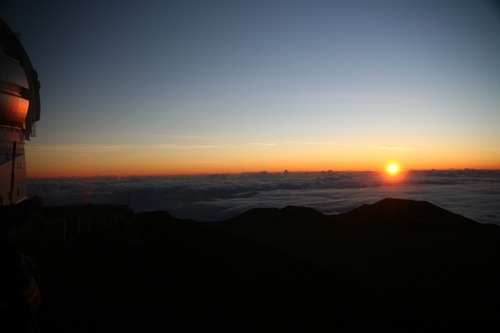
396 265
441 269
153 271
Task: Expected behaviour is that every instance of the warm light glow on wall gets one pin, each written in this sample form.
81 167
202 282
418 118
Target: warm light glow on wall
15 108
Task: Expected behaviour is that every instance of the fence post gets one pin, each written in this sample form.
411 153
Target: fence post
78 229
64 231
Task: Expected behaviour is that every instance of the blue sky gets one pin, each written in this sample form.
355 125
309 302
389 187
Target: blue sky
206 86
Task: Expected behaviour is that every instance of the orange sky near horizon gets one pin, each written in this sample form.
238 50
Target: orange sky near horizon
88 161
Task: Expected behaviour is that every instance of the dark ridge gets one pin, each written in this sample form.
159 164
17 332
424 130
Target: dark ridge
394 213
425 264
395 265
287 215
154 272
257 213
302 213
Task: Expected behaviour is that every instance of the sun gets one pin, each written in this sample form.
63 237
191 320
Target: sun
392 168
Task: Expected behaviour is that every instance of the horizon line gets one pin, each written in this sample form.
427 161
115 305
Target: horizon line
194 174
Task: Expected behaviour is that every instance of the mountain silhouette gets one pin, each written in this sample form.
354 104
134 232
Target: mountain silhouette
395 265
398 213
432 263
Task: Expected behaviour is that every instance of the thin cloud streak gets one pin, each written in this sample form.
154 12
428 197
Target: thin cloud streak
396 148
266 144
96 149
359 97
325 143
103 148
180 137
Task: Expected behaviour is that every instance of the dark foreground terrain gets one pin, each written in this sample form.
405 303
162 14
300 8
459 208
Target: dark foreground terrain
396 265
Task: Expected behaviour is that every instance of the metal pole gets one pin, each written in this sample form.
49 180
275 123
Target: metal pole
64 231
12 172
78 233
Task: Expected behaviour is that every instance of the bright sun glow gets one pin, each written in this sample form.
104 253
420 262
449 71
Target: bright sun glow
393 169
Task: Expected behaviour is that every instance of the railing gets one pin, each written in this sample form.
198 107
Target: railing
71 222
91 204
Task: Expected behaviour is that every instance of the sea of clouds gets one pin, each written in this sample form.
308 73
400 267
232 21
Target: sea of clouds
471 193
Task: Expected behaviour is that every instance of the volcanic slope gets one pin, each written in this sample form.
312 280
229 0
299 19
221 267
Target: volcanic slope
396 265
159 273
427 267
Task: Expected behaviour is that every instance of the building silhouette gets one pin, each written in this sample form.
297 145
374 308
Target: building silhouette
19 111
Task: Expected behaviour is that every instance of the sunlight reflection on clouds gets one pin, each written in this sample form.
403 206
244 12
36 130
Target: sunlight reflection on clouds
472 193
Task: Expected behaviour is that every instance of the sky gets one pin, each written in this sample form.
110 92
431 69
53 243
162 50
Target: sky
190 87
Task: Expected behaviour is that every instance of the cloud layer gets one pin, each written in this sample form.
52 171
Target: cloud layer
472 193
